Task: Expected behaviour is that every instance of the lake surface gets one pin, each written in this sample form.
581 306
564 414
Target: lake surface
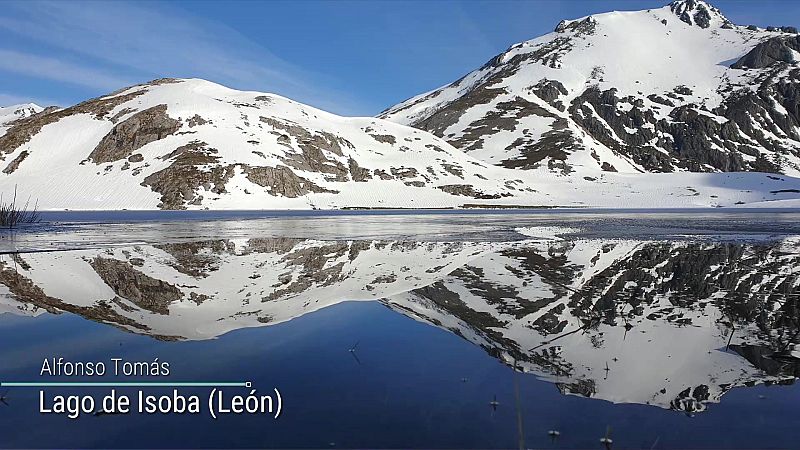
676 329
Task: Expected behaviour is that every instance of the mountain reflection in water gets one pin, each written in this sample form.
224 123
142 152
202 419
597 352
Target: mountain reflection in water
670 324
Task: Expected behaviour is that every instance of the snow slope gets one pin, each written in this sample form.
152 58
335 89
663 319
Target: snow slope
674 89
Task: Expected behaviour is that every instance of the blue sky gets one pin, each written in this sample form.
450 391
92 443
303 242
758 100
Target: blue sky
349 57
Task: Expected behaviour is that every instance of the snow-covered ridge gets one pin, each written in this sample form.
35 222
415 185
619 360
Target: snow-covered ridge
675 325
193 144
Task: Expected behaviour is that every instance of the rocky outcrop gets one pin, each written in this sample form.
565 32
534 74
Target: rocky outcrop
282 181
550 91
586 26
554 146
698 12
781 49
358 173
438 122
14 164
467 191
134 133
313 146
505 116
193 166
196 167
694 138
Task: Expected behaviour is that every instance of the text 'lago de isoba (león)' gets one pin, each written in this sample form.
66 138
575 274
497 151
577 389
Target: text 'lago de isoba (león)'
143 387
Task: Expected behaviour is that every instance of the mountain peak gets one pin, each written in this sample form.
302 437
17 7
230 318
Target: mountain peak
9 114
698 12
22 109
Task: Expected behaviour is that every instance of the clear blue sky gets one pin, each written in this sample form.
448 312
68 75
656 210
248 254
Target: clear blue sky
349 57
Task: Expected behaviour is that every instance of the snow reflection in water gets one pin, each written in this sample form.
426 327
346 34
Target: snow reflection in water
674 324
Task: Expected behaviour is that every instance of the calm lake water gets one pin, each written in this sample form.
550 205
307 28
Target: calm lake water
675 329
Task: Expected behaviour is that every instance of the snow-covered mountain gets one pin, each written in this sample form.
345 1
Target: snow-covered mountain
679 88
175 144
671 324
10 114
193 144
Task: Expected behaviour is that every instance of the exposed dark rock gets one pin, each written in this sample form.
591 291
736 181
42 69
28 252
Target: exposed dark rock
122 112
586 26
694 139
317 268
282 181
358 173
14 165
443 118
403 172
655 98
271 245
505 116
178 183
598 113
453 169
694 135
702 18
313 146
451 302
196 121
583 387
555 144
380 173
550 91
695 12
774 50
467 190
385 138
133 133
